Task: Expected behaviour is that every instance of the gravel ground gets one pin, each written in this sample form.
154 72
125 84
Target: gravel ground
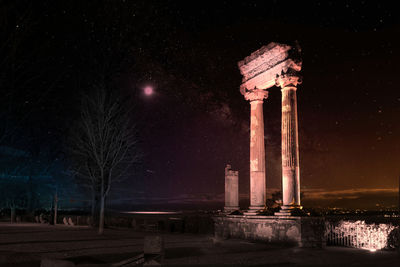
27 244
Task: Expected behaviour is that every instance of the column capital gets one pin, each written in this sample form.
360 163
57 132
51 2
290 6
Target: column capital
288 81
255 94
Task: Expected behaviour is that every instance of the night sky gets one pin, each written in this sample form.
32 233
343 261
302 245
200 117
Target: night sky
197 121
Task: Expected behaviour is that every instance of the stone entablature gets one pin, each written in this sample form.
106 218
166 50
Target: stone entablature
261 68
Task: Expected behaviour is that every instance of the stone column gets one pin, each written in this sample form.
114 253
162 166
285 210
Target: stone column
290 144
231 189
257 150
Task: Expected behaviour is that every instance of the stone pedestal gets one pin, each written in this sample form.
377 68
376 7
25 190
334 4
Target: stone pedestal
153 250
231 189
288 230
290 145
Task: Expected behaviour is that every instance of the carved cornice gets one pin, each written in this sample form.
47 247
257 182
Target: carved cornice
261 68
263 60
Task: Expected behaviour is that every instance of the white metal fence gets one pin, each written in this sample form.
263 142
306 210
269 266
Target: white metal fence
358 234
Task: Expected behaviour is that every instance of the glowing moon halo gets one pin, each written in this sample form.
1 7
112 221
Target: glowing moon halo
148 90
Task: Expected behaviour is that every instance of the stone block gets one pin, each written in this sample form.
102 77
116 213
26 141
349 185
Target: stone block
153 244
153 250
70 222
231 189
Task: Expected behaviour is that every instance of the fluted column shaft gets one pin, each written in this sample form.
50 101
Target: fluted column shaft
290 149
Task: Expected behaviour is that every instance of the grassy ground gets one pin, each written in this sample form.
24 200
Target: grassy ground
27 244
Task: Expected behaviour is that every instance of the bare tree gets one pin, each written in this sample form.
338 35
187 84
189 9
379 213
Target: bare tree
84 175
105 141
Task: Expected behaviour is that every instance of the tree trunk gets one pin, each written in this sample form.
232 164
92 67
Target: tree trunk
12 214
55 208
101 223
30 195
93 206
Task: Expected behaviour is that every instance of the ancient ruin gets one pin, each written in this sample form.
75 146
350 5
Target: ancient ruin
279 65
274 64
231 189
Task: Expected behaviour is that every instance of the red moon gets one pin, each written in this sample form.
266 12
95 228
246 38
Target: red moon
148 90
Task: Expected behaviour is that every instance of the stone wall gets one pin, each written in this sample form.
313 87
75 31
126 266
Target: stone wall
296 231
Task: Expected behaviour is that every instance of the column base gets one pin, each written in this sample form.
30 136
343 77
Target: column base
292 210
254 210
230 209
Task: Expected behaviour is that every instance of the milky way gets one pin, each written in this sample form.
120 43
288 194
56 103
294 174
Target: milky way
196 120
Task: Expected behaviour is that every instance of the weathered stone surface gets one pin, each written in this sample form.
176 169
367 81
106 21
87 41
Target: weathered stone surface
153 250
257 150
273 64
231 189
290 143
257 156
262 66
297 231
153 244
